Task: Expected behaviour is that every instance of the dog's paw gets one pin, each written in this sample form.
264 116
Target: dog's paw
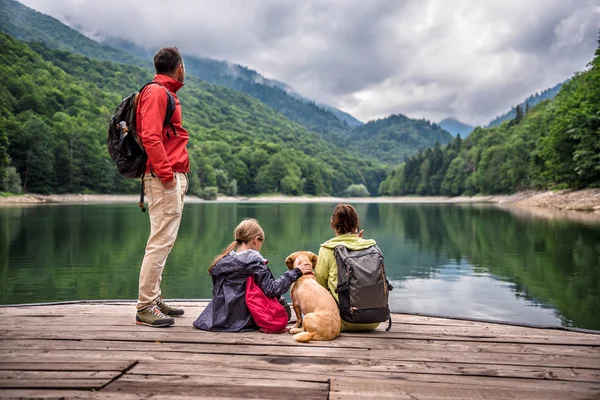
293 331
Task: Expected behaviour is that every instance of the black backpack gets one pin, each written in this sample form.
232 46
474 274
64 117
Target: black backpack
124 145
363 288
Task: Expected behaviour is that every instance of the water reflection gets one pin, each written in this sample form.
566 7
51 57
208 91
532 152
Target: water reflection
471 261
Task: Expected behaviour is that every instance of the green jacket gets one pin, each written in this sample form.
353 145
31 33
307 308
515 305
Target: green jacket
327 274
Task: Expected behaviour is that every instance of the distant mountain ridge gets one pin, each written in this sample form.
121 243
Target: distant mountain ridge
396 137
456 127
527 103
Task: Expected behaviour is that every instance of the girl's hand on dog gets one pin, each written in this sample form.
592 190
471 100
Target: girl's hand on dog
305 268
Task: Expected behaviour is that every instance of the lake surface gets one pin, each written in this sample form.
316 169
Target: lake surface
472 261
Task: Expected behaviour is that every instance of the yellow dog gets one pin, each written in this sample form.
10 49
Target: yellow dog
317 314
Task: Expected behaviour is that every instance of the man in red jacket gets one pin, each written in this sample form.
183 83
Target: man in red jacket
165 181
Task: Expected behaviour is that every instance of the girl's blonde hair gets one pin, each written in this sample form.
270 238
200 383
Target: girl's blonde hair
246 231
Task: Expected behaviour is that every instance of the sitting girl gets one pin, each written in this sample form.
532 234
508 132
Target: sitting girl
227 310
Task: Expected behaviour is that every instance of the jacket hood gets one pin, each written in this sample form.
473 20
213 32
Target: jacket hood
237 262
351 241
172 84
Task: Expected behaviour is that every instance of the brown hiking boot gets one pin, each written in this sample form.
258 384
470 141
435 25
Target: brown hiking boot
152 316
167 309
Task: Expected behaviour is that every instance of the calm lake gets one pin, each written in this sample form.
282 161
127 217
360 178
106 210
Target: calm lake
474 261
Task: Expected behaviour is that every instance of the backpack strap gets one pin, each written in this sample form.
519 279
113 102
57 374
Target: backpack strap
170 107
141 203
389 321
341 253
169 113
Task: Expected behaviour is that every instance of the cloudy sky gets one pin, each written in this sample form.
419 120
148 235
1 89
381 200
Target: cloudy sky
422 58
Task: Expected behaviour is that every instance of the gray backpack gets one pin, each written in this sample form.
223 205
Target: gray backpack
363 288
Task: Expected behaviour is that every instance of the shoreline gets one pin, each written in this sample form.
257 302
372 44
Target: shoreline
587 200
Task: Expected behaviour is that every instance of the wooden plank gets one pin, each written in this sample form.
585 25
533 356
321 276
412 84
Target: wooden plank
206 348
481 330
90 383
550 360
348 341
194 335
44 375
126 308
375 388
402 321
343 388
81 394
113 321
309 372
354 368
221 350
220 386
64 366
151 352
91 308
193 308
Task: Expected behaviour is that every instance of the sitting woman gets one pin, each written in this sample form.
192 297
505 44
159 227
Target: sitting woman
227 310
344 223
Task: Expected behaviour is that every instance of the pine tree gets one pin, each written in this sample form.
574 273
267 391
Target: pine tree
519 116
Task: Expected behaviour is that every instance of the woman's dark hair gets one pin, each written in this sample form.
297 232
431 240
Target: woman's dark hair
344 219
167 59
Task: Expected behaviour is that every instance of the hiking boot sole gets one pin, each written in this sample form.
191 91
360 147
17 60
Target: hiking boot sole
165 325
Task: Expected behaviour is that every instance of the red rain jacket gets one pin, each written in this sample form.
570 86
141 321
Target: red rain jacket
166 155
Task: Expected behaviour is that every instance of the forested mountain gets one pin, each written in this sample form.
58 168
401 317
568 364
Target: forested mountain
531 101
394 138
26 24
555 144
455 127
55 107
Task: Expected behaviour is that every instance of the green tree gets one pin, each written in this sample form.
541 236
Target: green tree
356 190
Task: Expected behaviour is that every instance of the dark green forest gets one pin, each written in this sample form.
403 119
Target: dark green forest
554 145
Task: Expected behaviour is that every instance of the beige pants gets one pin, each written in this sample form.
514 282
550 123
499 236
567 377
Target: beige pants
164 208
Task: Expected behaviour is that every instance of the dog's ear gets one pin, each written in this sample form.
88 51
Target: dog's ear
289 261
313 259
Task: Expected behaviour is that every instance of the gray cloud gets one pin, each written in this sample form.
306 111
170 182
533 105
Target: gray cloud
422 58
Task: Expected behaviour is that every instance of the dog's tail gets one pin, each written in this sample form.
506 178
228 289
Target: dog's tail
304 337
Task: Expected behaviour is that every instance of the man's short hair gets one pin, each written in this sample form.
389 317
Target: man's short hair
167 59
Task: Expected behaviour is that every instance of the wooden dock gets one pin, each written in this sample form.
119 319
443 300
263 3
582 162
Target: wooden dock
95 350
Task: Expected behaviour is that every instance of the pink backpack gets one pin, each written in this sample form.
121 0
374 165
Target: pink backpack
267 313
